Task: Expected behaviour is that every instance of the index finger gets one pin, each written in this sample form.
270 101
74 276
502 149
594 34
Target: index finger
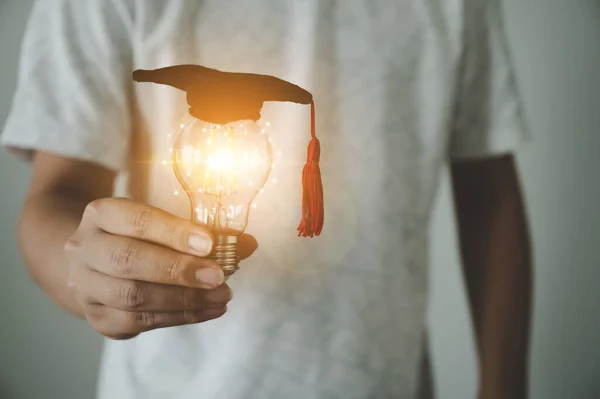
125 217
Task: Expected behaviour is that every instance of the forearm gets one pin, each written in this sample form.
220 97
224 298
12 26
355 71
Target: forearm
498 275
496 256
47 221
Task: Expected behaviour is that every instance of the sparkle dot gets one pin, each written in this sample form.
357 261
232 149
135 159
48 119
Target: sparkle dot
253 205
272 166
176 192
200 190
269 139
268 123
164 162
189 173
279 153
170 150
274 181
204 129
250 183
182 125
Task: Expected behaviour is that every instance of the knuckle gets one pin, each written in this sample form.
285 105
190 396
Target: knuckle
95 209
141 221
72 245
144 319
173 268
134 295
173 235
184 298
190 298
125 259
75 244
94 206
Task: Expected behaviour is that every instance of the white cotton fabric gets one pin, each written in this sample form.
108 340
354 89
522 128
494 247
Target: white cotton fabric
401 89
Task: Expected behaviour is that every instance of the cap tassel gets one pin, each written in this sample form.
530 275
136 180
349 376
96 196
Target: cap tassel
312 187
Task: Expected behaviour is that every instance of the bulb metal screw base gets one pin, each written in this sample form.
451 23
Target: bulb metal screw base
225 253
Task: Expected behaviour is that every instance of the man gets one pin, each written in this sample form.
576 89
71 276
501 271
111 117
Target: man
401 88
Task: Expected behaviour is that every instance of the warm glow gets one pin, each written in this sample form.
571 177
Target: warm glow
222 162
223 168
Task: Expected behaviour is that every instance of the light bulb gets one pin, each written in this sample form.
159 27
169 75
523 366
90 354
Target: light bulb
222 168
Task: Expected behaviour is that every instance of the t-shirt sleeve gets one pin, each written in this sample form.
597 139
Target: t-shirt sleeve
489 118
73 91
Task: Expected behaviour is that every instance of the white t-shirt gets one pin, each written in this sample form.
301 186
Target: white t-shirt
401 88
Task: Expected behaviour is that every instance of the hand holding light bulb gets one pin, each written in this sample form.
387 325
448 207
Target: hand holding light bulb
135 268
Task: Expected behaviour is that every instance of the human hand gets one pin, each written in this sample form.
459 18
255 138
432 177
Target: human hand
135 268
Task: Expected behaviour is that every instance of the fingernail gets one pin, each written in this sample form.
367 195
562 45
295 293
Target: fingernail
210 275
201 243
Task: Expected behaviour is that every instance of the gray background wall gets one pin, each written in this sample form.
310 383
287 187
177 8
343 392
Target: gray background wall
556 44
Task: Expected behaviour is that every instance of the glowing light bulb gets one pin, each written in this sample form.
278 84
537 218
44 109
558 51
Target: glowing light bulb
210 161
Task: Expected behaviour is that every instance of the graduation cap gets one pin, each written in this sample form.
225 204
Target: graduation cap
224 97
